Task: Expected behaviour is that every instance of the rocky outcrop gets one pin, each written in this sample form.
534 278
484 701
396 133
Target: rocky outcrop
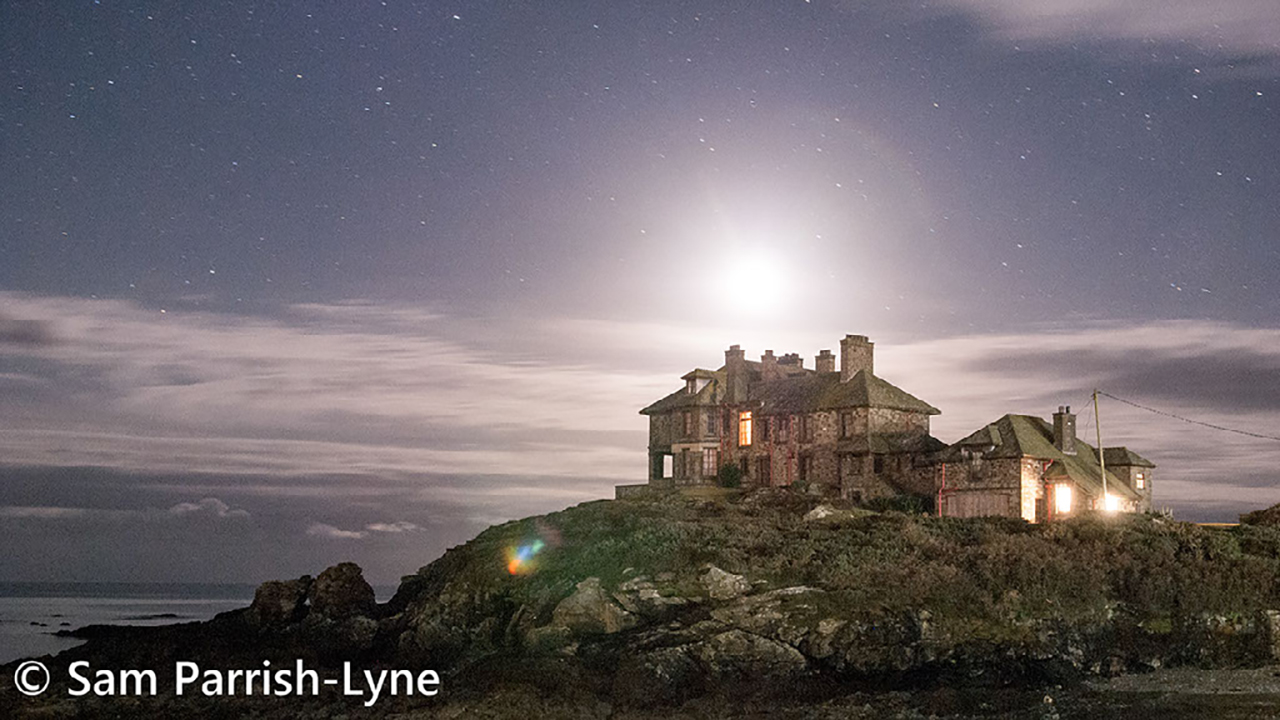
723 585
341 592
591 611
277 603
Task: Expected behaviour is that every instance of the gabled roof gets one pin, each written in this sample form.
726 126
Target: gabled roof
1123 456
824 391
1020 436
798 392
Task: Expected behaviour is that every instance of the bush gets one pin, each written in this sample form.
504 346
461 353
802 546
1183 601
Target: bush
911 504
730 476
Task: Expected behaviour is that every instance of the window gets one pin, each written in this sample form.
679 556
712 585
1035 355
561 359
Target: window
1062 498
688 423
710 462
764 471
691 386
1140 480
878 465
711 421
806 468
784 429
764 429
726 422
806 428
846 425
668 466
744 428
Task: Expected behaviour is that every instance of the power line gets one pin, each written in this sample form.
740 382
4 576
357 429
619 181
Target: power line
1189 420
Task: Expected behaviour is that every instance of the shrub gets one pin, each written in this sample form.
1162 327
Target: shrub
730 476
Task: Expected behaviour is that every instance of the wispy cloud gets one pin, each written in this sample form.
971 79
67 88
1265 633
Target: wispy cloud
208 506
1233 29
333 533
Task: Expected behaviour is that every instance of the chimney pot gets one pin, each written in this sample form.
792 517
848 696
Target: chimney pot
1064 430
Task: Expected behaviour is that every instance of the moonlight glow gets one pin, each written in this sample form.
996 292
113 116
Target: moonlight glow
754 284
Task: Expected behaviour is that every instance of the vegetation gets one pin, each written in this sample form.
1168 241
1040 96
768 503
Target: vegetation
730 476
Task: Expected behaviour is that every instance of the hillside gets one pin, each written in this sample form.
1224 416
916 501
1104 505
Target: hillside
766 598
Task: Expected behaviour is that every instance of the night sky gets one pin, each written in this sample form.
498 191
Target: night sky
285 284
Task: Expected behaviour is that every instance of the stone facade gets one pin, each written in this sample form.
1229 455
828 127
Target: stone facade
834 431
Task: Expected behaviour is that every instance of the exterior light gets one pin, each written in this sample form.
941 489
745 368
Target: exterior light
1111 503
1062 498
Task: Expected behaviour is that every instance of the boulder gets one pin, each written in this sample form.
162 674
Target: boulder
341 592
640 596
277 603
591 611
723 585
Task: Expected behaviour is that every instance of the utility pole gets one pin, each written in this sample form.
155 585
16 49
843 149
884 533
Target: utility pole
1102 459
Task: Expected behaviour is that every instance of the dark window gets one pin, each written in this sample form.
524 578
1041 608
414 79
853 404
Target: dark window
764 471
879 464
711 421
710 462
688 423
726 427
806 468
763 428
806 428
744 466
846 425
784 428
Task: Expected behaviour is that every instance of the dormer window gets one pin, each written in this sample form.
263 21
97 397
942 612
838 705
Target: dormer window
690 386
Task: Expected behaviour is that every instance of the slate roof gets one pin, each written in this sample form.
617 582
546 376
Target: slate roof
1019 436
1120 456
802 392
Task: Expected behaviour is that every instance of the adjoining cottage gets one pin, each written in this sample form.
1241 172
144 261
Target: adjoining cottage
1021 466
845 431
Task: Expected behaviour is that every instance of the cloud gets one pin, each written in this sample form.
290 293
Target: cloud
1227 28
25 332
333 533
43 513
395 527
208 506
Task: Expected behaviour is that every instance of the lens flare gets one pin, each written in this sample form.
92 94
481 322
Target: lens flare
520 559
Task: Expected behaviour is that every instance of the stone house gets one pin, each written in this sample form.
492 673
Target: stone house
1023 466
839 431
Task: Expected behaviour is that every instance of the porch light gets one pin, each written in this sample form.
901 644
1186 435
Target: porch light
1062 498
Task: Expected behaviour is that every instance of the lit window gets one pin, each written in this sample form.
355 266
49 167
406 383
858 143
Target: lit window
710 462
1062 498
1141 481
744 428
1111 503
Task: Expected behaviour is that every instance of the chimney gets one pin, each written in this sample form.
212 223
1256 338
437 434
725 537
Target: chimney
1064 430
856 353
769 366
825 362
792 360
735 375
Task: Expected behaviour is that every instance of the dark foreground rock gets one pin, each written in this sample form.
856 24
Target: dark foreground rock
753 603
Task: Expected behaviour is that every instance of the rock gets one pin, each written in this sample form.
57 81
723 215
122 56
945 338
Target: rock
342 592
277 603
723 585
591 611
640 596
820 512
736 653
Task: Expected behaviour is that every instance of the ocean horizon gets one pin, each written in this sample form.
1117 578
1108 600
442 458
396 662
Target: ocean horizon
31 612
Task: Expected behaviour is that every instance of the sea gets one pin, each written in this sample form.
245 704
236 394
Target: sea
31 612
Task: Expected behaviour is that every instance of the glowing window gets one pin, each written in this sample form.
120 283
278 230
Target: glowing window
1141 481
1111 503
1062 498
744 428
